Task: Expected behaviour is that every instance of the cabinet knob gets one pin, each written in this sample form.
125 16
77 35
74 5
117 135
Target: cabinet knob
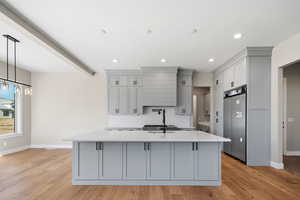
217 120
134 82
183 82
217 113
183 110
135 110
117 82
117 110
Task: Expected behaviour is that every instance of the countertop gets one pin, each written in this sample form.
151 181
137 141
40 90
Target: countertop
145 136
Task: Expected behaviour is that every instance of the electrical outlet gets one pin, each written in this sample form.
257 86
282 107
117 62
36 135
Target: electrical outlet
4 143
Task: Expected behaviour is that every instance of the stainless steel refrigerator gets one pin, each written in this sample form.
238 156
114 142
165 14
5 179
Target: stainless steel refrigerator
235 116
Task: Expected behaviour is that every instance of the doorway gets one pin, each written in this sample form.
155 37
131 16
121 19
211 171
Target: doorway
291 117
202 108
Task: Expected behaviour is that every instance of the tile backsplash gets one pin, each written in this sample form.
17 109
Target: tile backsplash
150 117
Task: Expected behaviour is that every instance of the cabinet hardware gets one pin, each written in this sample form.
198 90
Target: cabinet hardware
117 82
217 120
135 110
217 82
193 146
217 113
196 146
149 146
97 146
117 110
232 83
183 82
145 146
101 146
134 82
183 110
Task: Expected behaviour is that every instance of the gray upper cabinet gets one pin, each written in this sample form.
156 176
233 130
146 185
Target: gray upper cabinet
159 161
184 92
136 161
184 165
124 92
159 86
88 161
111 161
235 74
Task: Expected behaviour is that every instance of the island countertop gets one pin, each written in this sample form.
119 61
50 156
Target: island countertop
148 136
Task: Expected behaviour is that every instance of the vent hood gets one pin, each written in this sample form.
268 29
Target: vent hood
159 86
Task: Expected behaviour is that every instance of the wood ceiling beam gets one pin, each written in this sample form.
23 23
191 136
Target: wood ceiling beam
14 17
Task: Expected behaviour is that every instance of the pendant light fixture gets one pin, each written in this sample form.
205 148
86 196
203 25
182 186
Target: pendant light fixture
4 81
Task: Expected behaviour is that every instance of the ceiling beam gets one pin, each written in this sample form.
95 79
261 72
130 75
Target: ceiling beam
26 26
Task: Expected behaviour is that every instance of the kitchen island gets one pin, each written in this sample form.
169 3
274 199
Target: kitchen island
147 158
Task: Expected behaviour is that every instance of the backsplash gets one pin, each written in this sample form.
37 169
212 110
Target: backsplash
150 117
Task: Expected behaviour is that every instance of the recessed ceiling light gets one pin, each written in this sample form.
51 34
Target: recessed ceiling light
211 60
115 61
238 36
163 60
103 31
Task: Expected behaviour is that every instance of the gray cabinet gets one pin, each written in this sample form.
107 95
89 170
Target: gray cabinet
124 92
159 161
88 161
111 161
184 165
218 103
136 160
208 161
235 74
184 92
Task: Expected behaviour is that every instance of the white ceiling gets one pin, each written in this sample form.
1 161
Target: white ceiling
77 26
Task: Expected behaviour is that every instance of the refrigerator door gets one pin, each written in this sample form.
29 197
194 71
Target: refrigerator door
227 124
238 126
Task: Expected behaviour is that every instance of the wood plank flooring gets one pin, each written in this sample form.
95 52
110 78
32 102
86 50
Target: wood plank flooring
46 174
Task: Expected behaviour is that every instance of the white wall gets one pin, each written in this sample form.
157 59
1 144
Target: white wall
66 104
285 53
16 142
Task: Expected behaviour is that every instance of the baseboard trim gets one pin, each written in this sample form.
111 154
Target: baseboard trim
292 153
51 146
14 150
276 165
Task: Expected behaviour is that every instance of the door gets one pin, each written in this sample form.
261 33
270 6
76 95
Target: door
136 161
159 161
208 165
111 161
88 160
227 124
184 161
238 107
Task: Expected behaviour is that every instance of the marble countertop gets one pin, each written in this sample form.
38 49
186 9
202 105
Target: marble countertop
148 136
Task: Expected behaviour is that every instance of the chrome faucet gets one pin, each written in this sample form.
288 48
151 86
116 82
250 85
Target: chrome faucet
163 111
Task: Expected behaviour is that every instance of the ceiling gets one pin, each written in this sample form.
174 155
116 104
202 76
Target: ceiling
79 25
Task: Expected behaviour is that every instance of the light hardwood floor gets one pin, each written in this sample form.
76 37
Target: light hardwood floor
46 174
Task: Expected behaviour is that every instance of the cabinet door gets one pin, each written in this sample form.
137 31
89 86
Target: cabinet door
184 99
159 161
133 100
219 93
88 160
135 161
114 100
123 100
208 161
183 161
111 161
240 70
229 78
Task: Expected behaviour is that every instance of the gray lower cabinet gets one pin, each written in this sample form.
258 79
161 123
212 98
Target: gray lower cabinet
208 161
135 161
176 163
111 161
88 161
159 160
184 160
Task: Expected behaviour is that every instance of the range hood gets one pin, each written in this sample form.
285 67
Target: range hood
159 86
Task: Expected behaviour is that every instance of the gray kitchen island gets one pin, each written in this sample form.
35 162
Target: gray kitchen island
147 158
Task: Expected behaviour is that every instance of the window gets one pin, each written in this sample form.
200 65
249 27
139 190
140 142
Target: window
7 110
